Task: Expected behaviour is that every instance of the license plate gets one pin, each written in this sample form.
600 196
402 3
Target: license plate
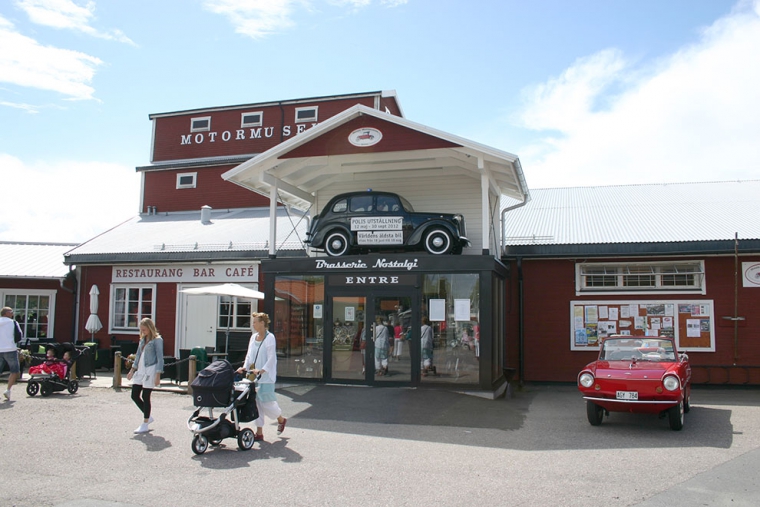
627 395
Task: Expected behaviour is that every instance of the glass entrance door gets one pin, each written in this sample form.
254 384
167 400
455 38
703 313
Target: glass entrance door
372 339
349 342
391 338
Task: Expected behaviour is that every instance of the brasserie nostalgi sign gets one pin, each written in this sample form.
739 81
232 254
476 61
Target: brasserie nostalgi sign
186 273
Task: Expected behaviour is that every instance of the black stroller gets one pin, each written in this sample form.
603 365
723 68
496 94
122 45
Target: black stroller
55 379
215 387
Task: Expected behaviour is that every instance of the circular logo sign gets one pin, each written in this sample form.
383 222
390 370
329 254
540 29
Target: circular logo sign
364 137
752 275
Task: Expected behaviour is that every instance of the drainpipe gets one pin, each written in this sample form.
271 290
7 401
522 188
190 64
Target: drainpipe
526 199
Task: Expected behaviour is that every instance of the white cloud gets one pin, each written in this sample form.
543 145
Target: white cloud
65 14
65 201
259 18
255 18
29 108
693 116
25 62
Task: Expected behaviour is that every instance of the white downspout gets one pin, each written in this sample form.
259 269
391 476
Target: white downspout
272 218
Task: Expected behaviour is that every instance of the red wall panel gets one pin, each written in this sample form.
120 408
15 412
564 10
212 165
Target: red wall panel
395 138
549 286
63 327
161 191
169 130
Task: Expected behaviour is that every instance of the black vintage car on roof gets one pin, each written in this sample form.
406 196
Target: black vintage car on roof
359 222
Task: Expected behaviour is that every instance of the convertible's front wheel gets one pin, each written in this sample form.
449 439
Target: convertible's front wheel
594 412
336 244
675 417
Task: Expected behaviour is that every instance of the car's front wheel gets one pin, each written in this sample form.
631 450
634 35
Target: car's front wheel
594 412
675 417
336 244
438 241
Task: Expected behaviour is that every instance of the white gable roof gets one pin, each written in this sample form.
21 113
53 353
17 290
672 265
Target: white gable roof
299 179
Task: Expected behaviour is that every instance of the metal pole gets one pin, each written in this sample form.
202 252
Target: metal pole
736 297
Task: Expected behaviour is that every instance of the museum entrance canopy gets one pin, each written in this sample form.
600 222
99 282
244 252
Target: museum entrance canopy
362 144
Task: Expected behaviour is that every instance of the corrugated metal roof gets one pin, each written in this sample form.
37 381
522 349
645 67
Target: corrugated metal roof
33 260
661 213
169 234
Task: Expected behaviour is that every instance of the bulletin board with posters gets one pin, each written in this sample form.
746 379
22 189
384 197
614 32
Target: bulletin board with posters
692 323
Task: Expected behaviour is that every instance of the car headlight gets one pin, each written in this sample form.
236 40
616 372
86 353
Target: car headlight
671 383
586 380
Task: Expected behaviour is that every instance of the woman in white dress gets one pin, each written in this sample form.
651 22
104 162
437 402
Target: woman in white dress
146 371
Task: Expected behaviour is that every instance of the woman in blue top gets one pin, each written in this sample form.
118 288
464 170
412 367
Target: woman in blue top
262 359
146 370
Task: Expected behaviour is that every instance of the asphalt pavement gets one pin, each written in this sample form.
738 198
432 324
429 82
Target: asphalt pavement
348 446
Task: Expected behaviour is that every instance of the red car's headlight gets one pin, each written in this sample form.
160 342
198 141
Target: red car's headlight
671 383
586 380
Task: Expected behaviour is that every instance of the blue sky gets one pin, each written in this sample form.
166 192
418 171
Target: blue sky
585 92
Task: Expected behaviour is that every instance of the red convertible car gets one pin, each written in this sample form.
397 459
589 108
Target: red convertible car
639 375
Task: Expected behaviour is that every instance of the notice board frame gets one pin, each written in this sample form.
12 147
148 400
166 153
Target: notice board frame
691 322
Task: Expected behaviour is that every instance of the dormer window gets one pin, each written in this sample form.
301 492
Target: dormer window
200 124
306 114
255 119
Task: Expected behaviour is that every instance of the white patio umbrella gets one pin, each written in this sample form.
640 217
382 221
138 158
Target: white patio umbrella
93 324
227 289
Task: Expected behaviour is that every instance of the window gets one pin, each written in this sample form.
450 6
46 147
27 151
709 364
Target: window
340 206
186 180
361 203
681 277
200 124
241 313
452 303
298 325
130 304
252 119
32 310
305 114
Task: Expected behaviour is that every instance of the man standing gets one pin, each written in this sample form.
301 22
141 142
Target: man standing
10 333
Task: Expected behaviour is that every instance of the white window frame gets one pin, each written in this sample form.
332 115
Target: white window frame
187 185
112 307
235 303
244 124
27 292
193 128
621 270
307 120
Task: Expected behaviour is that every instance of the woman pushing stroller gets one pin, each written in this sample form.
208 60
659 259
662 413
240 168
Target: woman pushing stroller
261 359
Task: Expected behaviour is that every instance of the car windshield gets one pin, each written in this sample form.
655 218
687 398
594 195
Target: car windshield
640 349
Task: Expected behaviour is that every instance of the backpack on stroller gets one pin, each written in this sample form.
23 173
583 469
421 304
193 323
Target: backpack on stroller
53 375
215 387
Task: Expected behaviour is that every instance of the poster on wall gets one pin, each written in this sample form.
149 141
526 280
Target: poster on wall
437 309
691 323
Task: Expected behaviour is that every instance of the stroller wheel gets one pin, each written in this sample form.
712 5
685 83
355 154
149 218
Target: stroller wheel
245 439
46 389
32 388
73 386
200 444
